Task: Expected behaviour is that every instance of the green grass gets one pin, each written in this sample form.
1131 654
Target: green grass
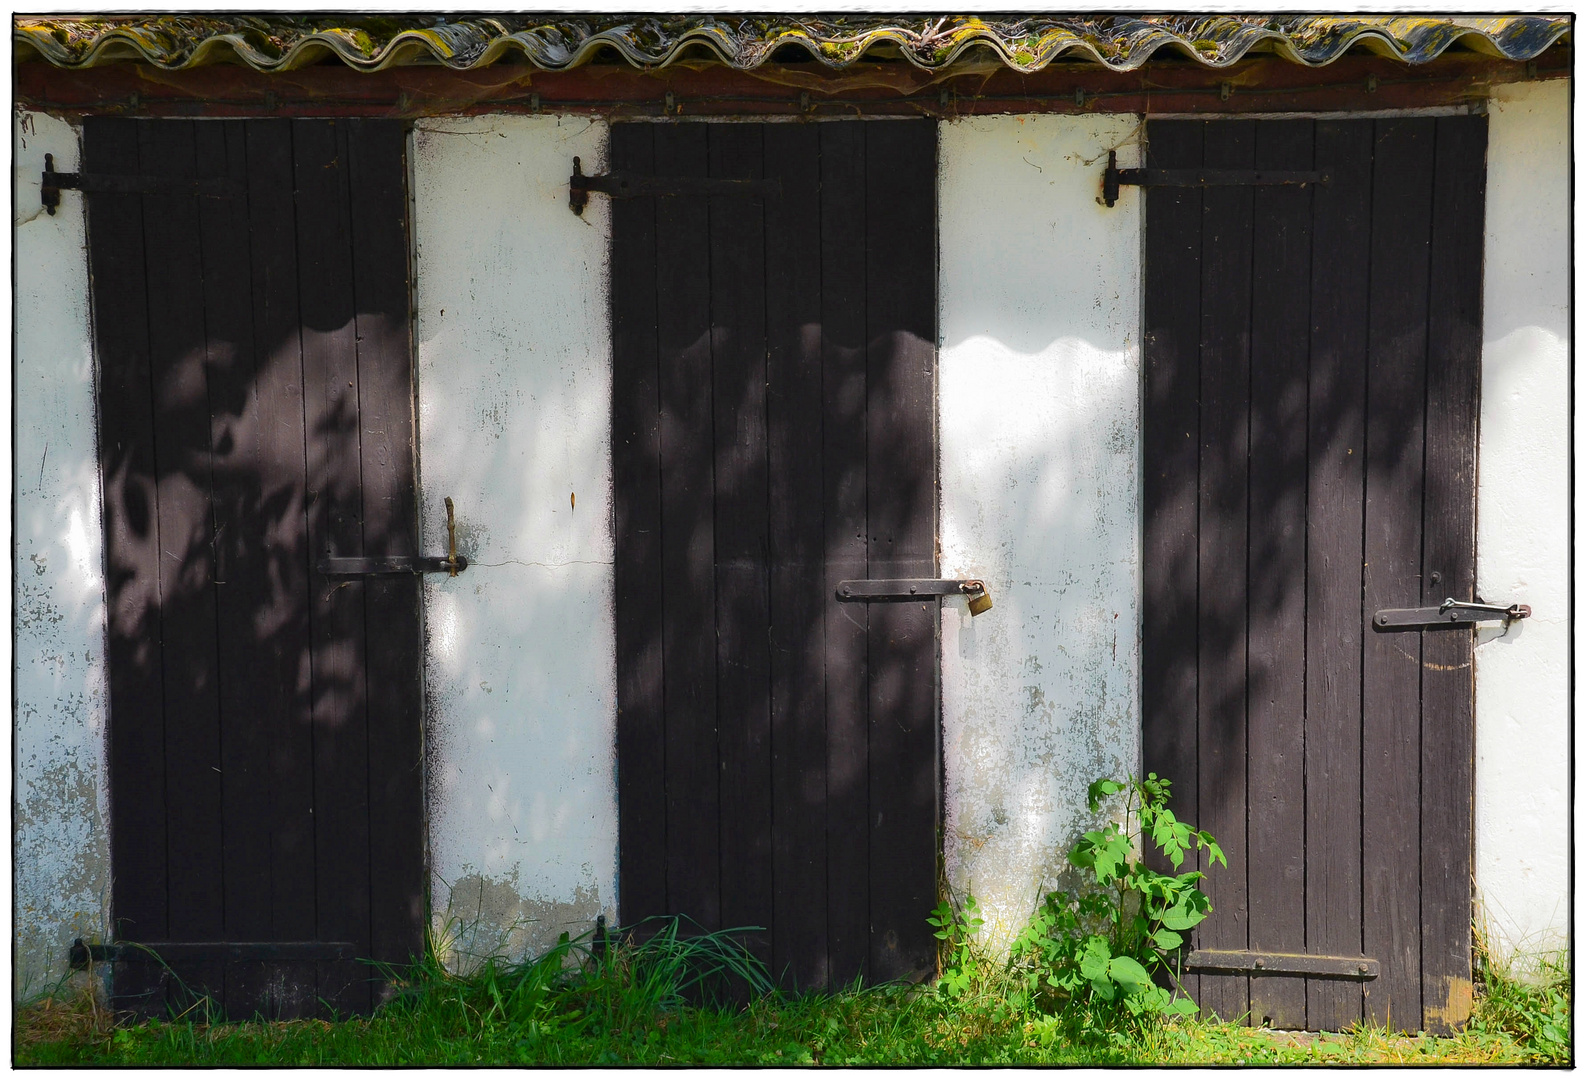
633 1007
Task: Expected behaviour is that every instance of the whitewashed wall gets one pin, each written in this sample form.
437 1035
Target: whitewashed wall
60 840
1523 506
1040 447
514 383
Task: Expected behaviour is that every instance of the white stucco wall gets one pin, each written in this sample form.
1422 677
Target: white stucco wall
60 839
1040 441
1523 505
514 361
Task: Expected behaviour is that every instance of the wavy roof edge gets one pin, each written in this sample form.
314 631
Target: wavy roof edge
1024 43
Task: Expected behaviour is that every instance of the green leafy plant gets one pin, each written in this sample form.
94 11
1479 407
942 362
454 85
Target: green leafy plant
954 929
1092 960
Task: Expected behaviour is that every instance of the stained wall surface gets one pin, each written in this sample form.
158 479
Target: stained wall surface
1040 448
1522 534
60 842
514 362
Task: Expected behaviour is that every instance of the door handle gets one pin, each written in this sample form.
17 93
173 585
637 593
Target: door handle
1450 613
903 590
388 565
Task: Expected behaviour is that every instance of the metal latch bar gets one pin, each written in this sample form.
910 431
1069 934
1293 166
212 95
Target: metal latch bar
388 565
1450 613
1115 177
904 590
52 183
1241 962
625 186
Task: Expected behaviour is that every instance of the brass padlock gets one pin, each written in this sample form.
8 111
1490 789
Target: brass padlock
979 598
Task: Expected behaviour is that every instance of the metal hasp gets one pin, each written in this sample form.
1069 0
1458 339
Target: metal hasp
1450 613
903 590
1115 177
1239 962
623 186
388 565
80 955
52 183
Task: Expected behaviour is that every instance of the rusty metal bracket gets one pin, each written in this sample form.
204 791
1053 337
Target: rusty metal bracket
1450 614
1114 178
1240 962
904 590
624 186
52 183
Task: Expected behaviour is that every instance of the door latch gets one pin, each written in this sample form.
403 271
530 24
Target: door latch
1450 613
451 563
903 590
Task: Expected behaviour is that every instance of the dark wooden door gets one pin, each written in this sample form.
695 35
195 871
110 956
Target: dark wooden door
256 413
773 434
1310 419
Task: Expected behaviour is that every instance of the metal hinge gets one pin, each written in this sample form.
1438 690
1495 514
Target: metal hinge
624 186
52 183
1450 613
1241 962
1114 177
903 590
172 952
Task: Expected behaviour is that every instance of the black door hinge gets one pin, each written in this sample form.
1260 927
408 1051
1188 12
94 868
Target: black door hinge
52 183
79 955
1241 962
1115 177
624 186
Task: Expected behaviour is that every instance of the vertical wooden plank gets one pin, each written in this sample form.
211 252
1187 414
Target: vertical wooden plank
797 586
688 550
283 655
248 690
1395 395
844 428
1447 689
377 181
636 456
1340 280
1171 438
900 333
1224 518
743 617
132 540
174 268
1279 361
330 377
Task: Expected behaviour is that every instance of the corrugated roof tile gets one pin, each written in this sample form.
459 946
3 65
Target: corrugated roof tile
1026 43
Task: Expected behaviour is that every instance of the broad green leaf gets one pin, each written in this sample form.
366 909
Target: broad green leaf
1167 940
1128 973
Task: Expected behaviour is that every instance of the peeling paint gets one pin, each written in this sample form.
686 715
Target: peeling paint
484 917
60 834
1039 407
515 399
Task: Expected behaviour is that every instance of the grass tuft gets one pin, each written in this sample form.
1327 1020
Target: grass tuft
663 996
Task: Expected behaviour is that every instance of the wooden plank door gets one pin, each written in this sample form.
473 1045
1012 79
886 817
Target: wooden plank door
255 414
774 433
1310 408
